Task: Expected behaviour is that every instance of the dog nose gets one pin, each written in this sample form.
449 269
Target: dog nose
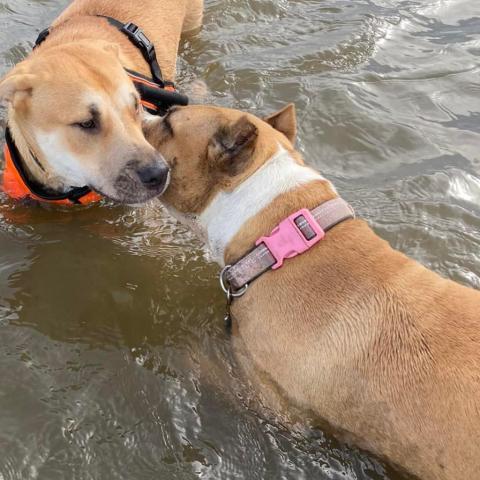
155 176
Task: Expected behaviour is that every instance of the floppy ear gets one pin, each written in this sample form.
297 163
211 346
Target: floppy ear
232 147
16 86
285 121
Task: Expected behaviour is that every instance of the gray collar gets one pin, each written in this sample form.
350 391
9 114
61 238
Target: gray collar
293 236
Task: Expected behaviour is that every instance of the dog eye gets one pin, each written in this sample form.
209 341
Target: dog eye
88 125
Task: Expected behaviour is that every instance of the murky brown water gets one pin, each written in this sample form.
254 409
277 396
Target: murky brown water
114 363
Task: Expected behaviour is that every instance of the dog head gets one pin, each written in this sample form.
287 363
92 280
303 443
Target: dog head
74 110
227 168
213 149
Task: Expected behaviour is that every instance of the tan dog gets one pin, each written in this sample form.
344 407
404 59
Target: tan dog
385 350
74 113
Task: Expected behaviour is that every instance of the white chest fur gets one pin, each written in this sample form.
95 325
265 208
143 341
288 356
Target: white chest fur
228 211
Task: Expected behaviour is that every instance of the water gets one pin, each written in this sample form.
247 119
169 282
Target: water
114 363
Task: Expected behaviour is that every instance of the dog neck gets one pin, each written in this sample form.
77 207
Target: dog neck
33 165
228 220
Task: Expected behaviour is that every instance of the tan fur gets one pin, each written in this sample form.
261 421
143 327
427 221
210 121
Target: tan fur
197 180
383 349
163 23
81 63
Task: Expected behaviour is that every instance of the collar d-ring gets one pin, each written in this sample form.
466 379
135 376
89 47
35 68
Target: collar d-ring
226 287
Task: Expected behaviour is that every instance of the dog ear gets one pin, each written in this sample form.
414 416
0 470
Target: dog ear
16 86
232 147
150 127
285 121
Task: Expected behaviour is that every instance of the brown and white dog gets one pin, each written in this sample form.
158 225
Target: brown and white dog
383 349
74 113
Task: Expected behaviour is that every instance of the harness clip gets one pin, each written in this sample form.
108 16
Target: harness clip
140 39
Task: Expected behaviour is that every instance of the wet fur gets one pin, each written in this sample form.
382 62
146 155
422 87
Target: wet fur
380 347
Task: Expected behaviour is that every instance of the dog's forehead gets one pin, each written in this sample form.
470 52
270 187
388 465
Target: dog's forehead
123 95
79 70
69 94
203 119
208 113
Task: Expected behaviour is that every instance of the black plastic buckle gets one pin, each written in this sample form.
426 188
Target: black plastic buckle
42 36
140 39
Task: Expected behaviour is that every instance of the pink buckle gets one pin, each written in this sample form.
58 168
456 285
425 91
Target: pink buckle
288 241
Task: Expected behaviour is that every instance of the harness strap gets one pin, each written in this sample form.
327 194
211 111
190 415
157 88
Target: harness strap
18 185
155 99
137 36
157 94
263 258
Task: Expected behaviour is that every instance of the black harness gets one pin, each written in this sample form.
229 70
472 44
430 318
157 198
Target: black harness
157 94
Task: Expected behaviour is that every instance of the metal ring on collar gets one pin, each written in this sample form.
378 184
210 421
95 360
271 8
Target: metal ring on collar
228 289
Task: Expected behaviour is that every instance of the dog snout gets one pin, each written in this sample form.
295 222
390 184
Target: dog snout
154 176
